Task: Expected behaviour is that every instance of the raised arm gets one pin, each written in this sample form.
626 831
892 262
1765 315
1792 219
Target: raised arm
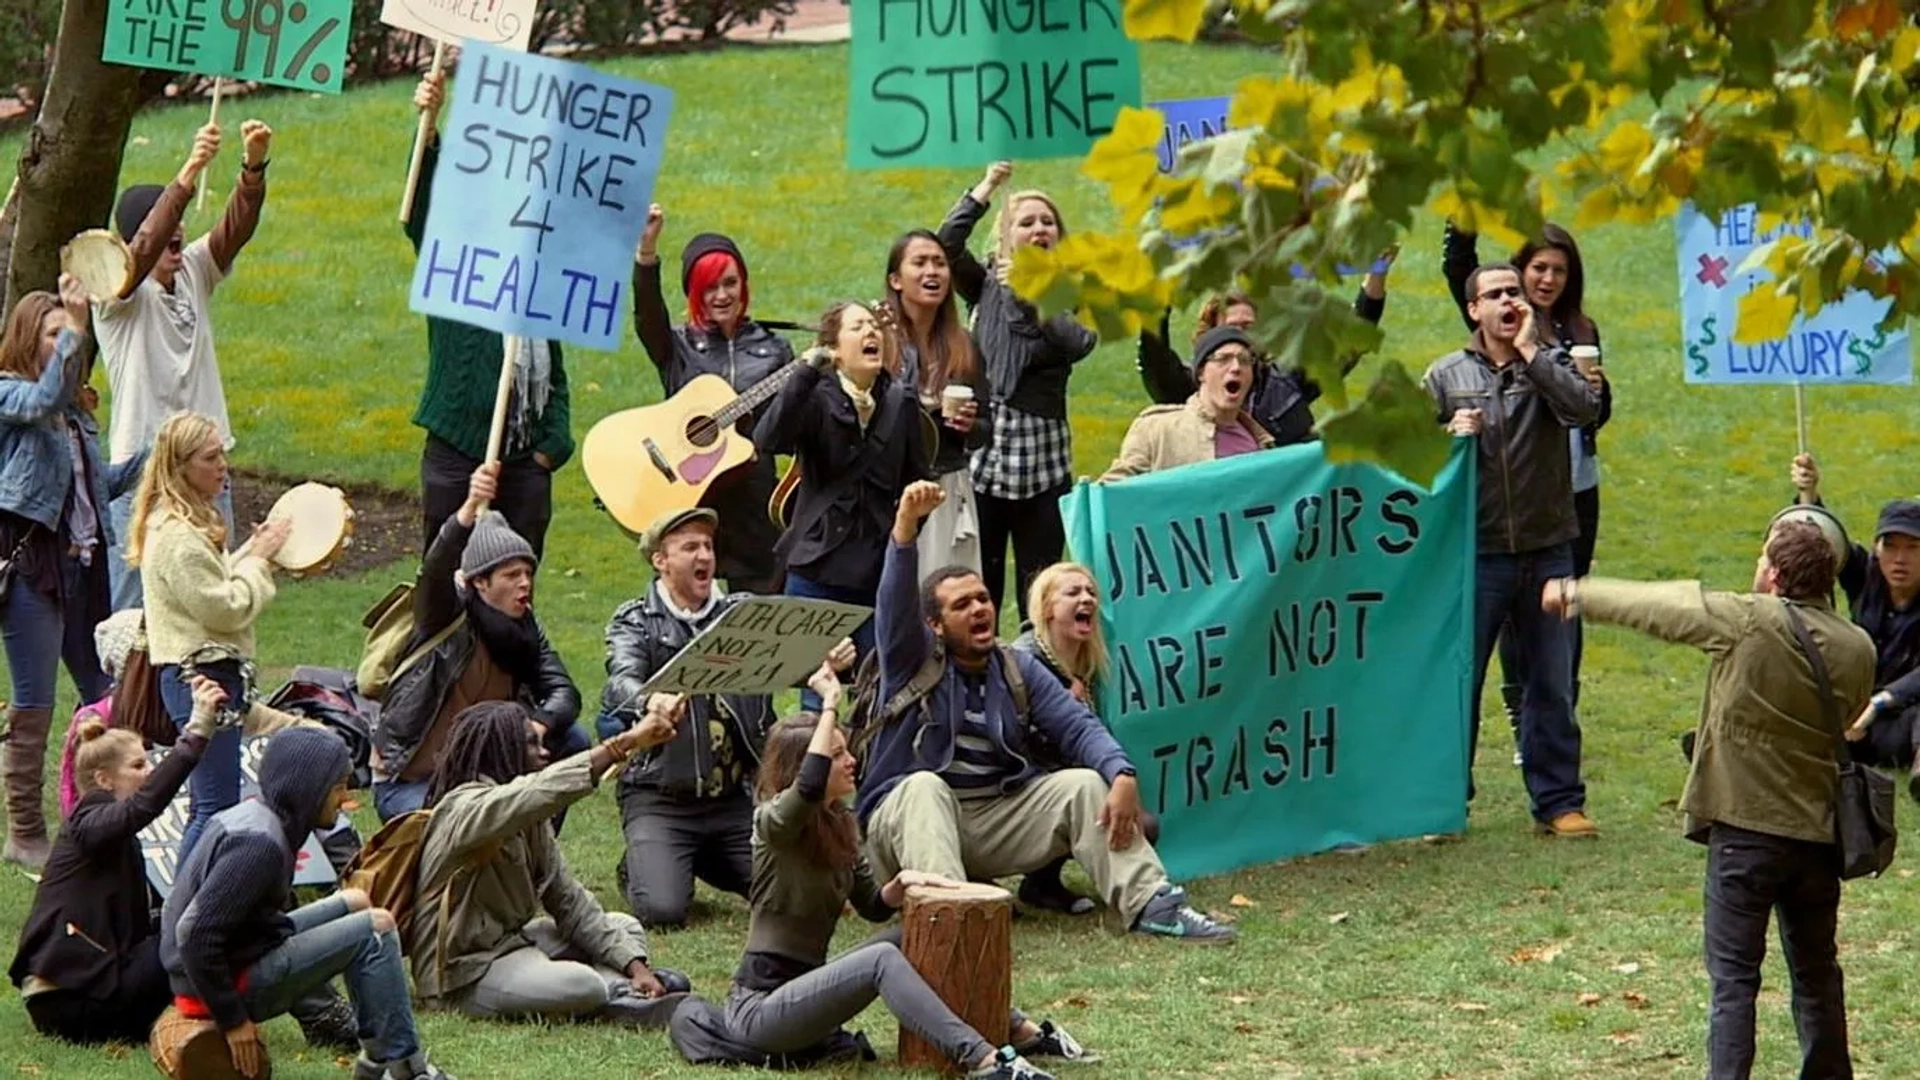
651 322
1459 258
969 277
782 821
427 98
791 415
23 402
1166 377
1564 389
237 225
899 631
1681 612
156 232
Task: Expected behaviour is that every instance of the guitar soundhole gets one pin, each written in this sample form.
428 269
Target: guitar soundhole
702 431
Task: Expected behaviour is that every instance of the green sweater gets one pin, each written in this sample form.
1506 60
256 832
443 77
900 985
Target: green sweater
463 370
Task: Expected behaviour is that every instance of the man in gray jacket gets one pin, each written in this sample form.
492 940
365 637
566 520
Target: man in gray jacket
1517 398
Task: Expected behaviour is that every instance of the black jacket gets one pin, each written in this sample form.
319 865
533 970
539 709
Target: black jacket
955 447
850 484
744 542
416 697
1459 258
642 636
1281 401
93 906
1526 470
1028 359
1895 633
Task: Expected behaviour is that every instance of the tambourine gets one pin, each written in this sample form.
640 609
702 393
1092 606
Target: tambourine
322 530
100 261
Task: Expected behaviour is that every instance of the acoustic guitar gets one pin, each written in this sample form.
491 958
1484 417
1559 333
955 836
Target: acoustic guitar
646 462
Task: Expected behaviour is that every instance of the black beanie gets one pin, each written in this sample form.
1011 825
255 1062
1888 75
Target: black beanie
135 204
706 244
1211 341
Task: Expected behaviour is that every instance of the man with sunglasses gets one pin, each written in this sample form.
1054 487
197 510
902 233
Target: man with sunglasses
156 335
1517 398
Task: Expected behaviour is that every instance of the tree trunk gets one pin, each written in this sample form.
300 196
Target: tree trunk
71 161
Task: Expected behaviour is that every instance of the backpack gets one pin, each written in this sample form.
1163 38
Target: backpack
320 695
390 629
866 717
387 868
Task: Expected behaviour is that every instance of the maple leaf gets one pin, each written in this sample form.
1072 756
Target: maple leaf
1167 20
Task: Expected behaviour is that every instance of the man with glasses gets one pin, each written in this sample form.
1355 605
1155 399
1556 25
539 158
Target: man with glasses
1517 398
156 335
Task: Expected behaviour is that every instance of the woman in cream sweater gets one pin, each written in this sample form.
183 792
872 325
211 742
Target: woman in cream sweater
201 601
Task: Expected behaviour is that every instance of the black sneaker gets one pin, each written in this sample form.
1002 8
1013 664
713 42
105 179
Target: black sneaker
1168 915
1054 1042
332 1027
1009 1065
1042 894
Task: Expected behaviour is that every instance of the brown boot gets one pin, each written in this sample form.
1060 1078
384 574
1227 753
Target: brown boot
24 764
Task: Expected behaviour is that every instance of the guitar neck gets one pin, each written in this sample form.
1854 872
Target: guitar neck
751 398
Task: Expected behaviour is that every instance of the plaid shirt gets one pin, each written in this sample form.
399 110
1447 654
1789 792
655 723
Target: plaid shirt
1029 456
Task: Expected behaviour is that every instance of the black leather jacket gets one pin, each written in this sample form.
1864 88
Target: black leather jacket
416 697
1526 470
744 549
642 636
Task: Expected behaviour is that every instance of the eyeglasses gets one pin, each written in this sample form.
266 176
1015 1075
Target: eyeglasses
1512 292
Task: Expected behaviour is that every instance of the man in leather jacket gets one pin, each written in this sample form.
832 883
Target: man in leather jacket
686 806
1517 399
488 646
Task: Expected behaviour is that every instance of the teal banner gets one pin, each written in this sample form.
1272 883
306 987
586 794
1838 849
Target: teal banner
1290 646
296 43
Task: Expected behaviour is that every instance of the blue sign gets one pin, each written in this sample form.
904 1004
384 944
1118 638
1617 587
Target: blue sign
540 197
1841 344
1189 120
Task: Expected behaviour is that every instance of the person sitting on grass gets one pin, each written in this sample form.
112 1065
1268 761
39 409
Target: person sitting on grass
951 786
517 935
235 955
88 966
474 603
787 996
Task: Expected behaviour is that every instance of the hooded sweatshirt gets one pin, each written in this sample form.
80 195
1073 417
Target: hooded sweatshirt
227 909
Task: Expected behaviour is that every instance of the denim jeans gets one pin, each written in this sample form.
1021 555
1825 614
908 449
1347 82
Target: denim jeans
126 579
1507 592
329 941
214 784
1751 875
391 798
39 633
862 638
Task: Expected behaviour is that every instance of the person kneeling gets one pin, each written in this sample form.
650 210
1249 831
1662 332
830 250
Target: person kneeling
503 928
951 787
787 996
236 956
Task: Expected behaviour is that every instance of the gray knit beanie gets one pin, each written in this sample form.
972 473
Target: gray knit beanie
493 543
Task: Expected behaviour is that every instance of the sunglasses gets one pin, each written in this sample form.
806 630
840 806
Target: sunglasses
1509 292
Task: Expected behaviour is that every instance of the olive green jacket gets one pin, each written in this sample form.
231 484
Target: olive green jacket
1763 757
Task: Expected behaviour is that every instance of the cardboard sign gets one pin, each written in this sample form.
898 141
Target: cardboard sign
1841 344
1267 615
508 23
966 82
297 43
759 646
160 841
1189 120
542 188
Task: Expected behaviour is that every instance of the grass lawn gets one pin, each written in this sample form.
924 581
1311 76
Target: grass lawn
1501 955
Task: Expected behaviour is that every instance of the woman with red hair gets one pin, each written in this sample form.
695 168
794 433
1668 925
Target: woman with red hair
718 338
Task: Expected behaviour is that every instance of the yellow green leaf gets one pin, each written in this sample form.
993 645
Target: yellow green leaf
1765 315
1394 426
1126 159
1167 20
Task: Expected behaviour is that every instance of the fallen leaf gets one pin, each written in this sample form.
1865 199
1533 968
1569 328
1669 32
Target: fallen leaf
1589 1000
1634 999
1239 999
1471 1006
1337 918
1244 1028
1628 968
1537 954
1240 900
1623 1038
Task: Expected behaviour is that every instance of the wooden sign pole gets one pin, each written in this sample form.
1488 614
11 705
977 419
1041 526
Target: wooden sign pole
213 117
420 137
509 361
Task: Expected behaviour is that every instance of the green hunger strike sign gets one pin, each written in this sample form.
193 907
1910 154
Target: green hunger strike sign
297 43
965 82
1290 647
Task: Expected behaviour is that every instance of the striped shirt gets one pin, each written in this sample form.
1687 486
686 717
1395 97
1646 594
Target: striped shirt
977 761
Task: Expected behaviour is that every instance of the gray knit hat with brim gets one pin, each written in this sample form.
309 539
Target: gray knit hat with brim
493 544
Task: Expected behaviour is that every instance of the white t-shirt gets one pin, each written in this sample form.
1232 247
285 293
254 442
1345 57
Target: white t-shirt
159 351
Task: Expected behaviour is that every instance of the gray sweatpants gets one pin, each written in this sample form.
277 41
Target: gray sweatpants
808 1009
549 978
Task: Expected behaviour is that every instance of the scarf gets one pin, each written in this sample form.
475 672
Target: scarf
513 643
863 403
532 386
696 618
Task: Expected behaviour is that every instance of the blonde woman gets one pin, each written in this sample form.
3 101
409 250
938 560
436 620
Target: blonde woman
1064 635
1019 477
201 601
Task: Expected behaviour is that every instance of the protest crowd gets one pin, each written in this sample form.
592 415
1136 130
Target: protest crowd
928 439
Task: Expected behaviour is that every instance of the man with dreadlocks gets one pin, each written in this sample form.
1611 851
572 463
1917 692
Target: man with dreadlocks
521 936
473 612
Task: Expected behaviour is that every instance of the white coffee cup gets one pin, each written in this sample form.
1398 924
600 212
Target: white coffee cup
953 397
1585 357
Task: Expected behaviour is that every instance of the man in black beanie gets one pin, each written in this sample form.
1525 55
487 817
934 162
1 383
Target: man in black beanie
1211 424
236 956
157 334
718 338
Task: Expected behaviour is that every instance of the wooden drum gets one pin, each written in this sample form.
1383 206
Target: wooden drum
186 1049
960 939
